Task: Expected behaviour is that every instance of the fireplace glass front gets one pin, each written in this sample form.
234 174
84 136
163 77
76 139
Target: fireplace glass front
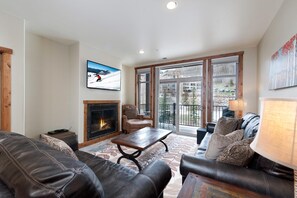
102 119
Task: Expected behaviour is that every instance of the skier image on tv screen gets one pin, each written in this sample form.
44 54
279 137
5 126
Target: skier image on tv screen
98 77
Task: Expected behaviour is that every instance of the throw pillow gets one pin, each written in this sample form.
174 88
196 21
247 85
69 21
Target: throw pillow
226 125
239 153
58 145
219 142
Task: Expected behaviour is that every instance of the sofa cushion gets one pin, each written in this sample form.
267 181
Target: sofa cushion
58 144
219 142
30 168
104 169
226 125
247 118
239 153
135 123
252 127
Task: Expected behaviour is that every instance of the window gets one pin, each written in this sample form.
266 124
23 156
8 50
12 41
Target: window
185 71
224 84
144 103
189 93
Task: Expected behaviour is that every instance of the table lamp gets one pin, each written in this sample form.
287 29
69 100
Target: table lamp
237 106
277 134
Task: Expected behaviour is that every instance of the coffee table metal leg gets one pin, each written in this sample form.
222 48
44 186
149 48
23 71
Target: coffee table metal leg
131 156
166 148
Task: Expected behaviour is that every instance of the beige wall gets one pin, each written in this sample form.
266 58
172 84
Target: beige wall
74 87
12 35
128 85
90 53
47 85
282 28
250 81
56 84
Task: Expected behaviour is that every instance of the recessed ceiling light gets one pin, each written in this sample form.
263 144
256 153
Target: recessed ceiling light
171 5
141 51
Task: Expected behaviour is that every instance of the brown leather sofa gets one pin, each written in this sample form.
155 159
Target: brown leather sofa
30 168
133 121
261 175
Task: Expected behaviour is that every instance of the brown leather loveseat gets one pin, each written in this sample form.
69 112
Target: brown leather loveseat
30 168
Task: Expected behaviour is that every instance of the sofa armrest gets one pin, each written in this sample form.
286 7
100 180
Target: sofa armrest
251 179
210 127
150 182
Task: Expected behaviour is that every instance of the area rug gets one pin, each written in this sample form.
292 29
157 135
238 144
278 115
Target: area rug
177 146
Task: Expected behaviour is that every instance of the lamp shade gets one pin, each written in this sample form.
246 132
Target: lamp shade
236 105
277 137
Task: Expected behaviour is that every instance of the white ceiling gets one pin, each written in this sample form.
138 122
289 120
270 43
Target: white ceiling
123 27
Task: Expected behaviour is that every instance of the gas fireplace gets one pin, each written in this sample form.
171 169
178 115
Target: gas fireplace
101 119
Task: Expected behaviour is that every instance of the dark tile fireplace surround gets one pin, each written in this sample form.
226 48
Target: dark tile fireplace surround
101 120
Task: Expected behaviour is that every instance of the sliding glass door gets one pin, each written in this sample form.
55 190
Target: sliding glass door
179 98
167 105
190 106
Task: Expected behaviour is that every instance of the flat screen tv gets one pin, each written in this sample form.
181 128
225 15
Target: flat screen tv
101 76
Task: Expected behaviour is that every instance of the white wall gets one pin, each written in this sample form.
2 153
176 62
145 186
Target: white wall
90 53
47 85
12 36
282 28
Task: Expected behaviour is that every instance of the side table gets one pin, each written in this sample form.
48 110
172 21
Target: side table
68 137
203 187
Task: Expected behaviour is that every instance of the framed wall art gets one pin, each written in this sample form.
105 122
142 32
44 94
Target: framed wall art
283 66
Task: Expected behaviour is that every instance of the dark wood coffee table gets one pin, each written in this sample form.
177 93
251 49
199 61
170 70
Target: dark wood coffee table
197 186
140 140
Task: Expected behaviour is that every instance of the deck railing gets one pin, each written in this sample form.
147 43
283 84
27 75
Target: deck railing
189 115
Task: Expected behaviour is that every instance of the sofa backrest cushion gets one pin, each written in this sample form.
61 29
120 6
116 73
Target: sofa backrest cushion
30 168
252 128
250 124
247 118
130 111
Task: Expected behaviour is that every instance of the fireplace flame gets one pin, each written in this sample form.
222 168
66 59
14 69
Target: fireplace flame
102 123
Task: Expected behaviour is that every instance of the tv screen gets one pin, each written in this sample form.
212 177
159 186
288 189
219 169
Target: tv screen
100 76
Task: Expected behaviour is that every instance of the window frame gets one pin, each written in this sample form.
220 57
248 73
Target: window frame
207 82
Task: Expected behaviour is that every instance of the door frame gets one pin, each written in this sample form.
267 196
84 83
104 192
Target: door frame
5 88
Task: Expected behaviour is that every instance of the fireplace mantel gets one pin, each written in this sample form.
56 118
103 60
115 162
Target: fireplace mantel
94 102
